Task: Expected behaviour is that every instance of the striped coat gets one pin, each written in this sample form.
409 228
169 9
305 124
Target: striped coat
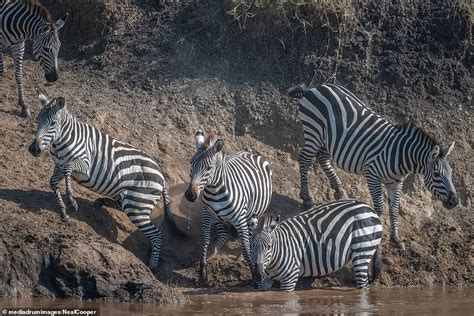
315 243
129 178
341 129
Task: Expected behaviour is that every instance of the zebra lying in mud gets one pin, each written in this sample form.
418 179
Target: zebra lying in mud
315 243
129 178
339 127
22 20
234 188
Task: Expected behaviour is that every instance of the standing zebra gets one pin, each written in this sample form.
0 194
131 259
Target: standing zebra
235 188
315 243
130 179
22 20
338 126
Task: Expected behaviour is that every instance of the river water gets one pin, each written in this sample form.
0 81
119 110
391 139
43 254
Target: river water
341 301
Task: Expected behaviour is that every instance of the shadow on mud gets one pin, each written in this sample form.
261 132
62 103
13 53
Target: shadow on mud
35 201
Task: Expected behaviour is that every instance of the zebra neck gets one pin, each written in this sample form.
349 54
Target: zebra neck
218 172
408 151
69 128
277 248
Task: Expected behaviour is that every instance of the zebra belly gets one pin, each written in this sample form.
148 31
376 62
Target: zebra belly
79 176
320 260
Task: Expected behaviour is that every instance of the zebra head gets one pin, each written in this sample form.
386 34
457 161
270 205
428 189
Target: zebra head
438 176
48 125
202 164
46 47
261 242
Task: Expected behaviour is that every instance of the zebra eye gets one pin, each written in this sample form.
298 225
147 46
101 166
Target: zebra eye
436 173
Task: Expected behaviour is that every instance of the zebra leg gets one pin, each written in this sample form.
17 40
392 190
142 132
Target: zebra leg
18 50
360 266
243 230
325 163
223 235
2 66
288 281
265 285
53 183
376 191
305 159
207 221
394 191
69 192
139 214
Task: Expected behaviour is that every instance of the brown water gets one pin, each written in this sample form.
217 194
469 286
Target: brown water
342 301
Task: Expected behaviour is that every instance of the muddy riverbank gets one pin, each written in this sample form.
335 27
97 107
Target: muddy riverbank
152 75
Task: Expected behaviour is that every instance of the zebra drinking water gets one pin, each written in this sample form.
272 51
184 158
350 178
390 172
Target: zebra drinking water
130 178
338 126
234 188
22 20
315 243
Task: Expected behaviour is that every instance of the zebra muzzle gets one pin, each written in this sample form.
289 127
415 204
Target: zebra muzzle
34 149
51 77
190 194
452 201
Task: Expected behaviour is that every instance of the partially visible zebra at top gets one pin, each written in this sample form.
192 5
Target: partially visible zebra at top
130 179
339 127
22 20
234 188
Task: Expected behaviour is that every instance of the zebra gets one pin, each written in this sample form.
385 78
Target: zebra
129 179
235 188
316 242
22 20
339 127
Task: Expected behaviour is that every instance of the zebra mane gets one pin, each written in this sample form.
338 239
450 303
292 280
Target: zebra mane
410 126
35 4
265 220
209 141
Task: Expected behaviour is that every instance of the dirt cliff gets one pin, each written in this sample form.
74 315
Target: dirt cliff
152 74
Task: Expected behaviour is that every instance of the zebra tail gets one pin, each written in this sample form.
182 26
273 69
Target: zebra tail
168 219
298 91
376 265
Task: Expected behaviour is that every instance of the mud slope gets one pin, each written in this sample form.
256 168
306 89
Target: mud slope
152 75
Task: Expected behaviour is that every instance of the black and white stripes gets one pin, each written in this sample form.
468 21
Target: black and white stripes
22 20
315 243
129 178
339 127
234 188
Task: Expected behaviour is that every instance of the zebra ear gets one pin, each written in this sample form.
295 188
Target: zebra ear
59 103
43 99
253 223
446 150
218 145
60 23
434 153
275 222
199 139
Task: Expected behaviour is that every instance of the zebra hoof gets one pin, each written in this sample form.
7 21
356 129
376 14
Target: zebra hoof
203 280
25 113
340 195
308 204
398 244
153 267
65 219
98 203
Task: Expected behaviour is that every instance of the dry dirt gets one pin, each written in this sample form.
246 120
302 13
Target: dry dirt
152 75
